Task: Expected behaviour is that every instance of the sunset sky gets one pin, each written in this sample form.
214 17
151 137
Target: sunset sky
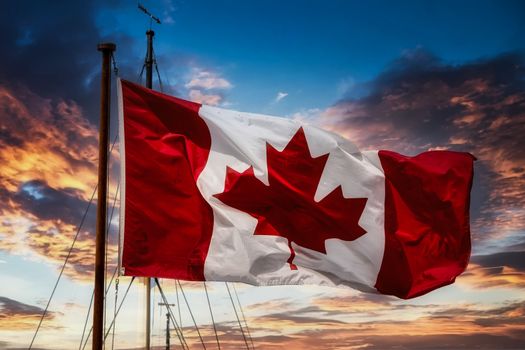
407 76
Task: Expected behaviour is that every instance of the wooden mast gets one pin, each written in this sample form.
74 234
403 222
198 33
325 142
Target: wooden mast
100 245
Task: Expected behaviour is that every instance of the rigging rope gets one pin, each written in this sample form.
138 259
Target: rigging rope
191 314
114 314
113 321
115 67
112 324
157 70
243 316
178 329
178 304
63 267
212 319
91 302
237 315
116 267
143 67
87 319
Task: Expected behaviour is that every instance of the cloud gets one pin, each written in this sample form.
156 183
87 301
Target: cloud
15 315
33 56
499 270
169 12
333 323
280 96
48 155
277 304
45 139
207 80
206 87
421 103
514 260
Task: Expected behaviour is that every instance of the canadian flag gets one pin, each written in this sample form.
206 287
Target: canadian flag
218 195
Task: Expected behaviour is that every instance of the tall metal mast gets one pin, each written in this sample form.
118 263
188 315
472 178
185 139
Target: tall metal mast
149 60
149 84
100 245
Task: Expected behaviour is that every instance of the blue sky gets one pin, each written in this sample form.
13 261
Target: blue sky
317 50
407 76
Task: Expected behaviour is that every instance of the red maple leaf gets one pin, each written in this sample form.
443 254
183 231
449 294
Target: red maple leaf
286 207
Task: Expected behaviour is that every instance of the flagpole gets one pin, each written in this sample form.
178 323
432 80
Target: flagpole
100 245
149 84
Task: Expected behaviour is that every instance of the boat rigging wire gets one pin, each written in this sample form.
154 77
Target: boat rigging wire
191 314
143 67
237 316
212 318
63 268
178 304
67 257
116 267
114 314
243 317
91 303
157 70
114 62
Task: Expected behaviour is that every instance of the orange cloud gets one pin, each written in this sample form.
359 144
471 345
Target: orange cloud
49 141
15 315
488 277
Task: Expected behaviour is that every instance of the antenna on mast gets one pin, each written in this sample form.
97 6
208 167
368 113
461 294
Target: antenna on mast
167 323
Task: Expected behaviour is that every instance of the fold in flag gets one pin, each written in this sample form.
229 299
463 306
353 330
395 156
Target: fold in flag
217 195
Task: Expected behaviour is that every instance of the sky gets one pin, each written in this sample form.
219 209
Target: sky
407 76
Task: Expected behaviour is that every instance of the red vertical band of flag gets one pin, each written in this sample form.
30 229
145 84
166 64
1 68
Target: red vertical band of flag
427 233
170 222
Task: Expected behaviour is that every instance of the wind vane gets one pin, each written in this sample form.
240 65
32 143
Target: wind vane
149 14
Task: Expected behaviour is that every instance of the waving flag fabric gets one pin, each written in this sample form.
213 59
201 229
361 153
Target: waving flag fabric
218 195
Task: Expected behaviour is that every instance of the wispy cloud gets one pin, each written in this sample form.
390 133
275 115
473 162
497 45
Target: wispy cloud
207 87
207 80
280 96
